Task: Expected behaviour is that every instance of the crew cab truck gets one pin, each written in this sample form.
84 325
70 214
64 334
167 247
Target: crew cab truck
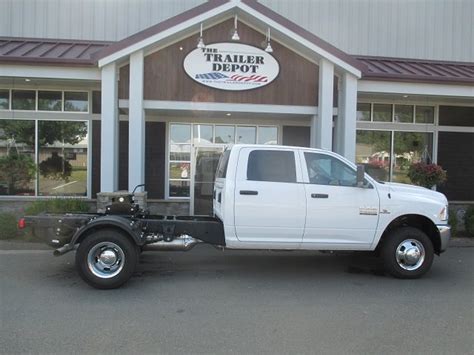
265 197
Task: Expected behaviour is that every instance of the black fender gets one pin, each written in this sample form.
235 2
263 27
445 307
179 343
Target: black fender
130 227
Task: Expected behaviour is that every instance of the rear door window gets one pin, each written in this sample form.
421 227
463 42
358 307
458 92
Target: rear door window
271 165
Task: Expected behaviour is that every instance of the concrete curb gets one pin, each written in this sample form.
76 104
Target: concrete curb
461 242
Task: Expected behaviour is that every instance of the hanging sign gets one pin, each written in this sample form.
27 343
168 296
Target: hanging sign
231 66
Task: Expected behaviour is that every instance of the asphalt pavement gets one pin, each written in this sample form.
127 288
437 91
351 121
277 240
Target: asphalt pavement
207 301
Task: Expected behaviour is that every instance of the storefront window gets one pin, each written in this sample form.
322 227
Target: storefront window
76 101
180 160
17 158
50 100
373 150
403 114
180 133
4 99
382 113
62 148
267 135
205 135
409 148
23 100
363 112
424 114
202 133
225 134
246 135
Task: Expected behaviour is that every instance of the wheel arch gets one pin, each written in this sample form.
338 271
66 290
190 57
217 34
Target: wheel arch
420 222
111 222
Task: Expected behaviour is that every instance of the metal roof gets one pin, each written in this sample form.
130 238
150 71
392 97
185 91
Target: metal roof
49 51
417 70
36 51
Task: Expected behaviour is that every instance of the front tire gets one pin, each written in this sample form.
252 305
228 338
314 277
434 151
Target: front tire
106 259
407 253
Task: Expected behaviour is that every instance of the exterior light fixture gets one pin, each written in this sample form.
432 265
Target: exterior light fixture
235 36
27 80
201 44
269 48
228 114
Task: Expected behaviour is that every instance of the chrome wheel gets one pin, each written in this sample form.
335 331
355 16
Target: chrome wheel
410 254
105 260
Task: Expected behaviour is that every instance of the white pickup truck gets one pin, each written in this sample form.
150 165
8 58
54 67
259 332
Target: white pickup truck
265 197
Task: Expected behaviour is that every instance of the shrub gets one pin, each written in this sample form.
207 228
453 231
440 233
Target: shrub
8 225
469 221
57 205
426 175
16 172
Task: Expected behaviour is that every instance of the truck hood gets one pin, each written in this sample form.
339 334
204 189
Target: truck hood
418 191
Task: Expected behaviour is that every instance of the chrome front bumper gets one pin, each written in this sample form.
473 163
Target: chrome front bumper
445 235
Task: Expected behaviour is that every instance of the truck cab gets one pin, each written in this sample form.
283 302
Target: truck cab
280 197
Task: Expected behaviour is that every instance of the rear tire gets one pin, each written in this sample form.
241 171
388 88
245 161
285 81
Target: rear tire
106 259
407 253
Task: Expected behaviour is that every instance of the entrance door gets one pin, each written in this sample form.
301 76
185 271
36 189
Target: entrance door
205 160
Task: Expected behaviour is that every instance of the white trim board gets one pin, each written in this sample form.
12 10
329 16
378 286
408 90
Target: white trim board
224 107
50 72
391 87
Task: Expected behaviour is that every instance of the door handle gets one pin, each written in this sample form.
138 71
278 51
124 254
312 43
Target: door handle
319 195
248 192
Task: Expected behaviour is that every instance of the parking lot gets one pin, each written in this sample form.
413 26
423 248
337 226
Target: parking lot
214 302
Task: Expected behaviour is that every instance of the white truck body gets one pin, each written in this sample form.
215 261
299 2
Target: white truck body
265 197
306 214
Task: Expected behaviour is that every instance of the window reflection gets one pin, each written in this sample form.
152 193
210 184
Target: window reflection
62 151
373 150
363 112
202 133
23 100
246 135
382 113
76 101
403 113
17 154
225 134
50 100
409 148
267 135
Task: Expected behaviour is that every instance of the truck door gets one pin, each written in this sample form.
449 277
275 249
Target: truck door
270 205
340 215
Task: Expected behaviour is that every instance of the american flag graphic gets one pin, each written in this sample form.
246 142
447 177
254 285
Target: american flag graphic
235 77
254 78
214 75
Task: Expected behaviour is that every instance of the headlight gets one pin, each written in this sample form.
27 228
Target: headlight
443 214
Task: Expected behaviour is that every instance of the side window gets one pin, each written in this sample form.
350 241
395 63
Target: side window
271 165
326 170
222 167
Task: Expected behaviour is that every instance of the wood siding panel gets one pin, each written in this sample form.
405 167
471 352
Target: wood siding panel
165 78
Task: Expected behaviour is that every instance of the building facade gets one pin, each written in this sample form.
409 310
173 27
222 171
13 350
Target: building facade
102 96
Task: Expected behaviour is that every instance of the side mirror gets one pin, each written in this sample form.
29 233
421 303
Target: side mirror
360 175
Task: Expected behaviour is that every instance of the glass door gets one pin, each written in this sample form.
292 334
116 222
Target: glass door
204 160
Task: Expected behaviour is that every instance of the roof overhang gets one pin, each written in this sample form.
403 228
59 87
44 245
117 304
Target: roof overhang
259 16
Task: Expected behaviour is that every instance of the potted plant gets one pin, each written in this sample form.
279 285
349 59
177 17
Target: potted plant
426 175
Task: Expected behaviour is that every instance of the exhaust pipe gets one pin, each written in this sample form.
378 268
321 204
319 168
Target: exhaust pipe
182 243
63 250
